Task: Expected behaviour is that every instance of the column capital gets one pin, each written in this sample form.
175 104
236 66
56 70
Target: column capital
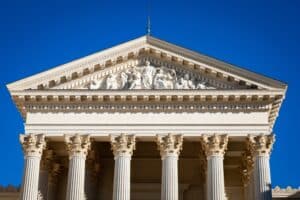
77 145
170 144
33 145
261 145
122 145
214 145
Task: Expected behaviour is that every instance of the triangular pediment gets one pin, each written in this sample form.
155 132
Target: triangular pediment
125 67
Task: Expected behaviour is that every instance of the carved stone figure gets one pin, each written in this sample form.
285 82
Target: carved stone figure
185 83
96 84
147 75
136 82
112 82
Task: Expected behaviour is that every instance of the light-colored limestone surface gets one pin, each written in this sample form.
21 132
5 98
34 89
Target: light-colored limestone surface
200 128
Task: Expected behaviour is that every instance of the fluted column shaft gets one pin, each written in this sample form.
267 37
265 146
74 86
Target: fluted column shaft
215 147
169 147
261 147
122 178
169 189
122 147
77 147
33 146
75 189
215 178
262 178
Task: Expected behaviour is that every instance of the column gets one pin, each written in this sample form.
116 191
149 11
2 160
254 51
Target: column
44 172
169 147
54 171
215 147
77 147
261 147
122 147
33 146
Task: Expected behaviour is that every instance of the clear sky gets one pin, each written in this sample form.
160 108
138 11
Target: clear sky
263 36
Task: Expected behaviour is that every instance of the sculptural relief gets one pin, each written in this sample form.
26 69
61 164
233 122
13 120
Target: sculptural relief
148 77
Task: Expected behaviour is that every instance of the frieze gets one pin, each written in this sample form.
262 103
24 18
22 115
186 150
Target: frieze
148 76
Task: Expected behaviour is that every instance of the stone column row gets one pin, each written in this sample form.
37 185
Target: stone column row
214 146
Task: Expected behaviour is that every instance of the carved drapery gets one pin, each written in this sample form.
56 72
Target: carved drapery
148 76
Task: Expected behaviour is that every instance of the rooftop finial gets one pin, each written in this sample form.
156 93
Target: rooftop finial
148 19
149 26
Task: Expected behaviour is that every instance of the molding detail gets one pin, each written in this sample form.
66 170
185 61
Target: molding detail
170 144
153 107
214 145
77 144
33 145
261 145
148 76
122 145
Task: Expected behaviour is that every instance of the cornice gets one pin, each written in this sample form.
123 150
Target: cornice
217 92
139 100
149 45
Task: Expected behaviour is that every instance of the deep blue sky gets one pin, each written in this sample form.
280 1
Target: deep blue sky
263 36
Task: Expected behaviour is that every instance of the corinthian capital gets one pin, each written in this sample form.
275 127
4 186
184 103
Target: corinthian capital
122 145
33 145
78 144
170 144
214 144
261 145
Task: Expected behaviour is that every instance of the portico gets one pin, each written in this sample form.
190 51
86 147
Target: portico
147 120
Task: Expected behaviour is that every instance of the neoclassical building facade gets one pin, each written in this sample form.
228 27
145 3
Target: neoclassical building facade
144 120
